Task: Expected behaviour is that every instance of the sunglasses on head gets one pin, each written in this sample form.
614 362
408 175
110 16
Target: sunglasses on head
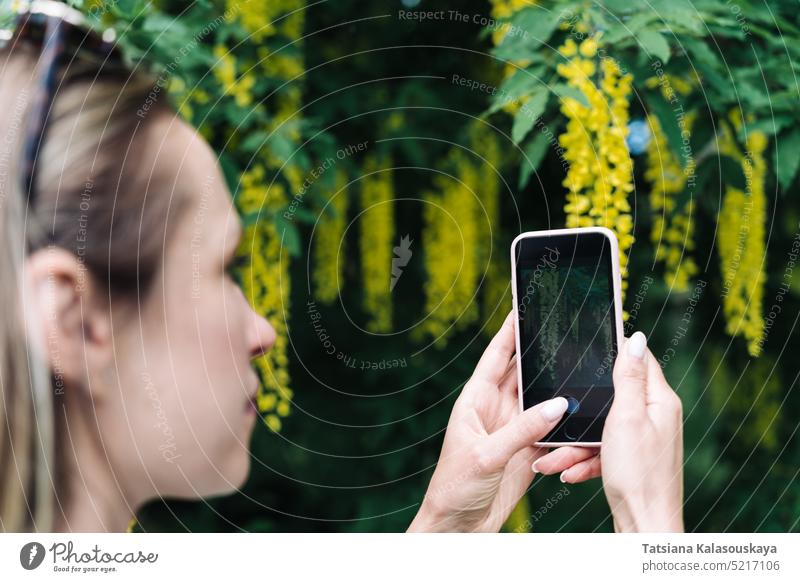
63 38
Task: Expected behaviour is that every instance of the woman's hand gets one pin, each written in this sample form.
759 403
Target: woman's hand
642 452
484 466
641 458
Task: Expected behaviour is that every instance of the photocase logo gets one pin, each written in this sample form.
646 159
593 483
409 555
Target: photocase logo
402 256
31 555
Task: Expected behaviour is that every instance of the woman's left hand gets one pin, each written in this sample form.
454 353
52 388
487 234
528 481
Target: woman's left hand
485 464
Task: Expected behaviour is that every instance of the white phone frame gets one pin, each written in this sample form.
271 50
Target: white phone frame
612 238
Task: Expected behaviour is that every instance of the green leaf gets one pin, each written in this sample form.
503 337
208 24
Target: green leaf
307 216
770 126
620 6
527 115
708 64
534 153
527 31
668 118
254 142
625 29
281 145
230 171
289 234
788 158
563 91
732 173
679 18
520 83
655 44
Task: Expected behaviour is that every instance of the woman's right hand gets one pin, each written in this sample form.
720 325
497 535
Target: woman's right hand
641 457
642 450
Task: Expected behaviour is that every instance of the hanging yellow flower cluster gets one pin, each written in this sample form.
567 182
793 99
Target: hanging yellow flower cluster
460 226
755 395
266 285
239 87
377 242
270 17
329 253
742 247
266 282
492 258
600 175
451 236
673 231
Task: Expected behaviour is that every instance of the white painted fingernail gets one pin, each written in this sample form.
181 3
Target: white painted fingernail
561 477
533 467
637 344
554 409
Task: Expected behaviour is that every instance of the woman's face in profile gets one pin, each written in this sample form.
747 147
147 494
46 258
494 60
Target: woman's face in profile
186 385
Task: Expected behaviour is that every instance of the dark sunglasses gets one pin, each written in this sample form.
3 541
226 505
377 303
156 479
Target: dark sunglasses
62 35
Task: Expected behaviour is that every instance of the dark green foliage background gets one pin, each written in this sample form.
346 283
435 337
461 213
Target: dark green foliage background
356 455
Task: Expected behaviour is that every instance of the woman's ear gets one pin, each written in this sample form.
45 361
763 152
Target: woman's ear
70 316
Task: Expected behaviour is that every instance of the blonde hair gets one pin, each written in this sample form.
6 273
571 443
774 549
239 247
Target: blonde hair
91 199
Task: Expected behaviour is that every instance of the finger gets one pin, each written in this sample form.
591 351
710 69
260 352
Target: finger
658 389
509 381
517 477
522 431
561 459
583 471
630 375
494 361
663 403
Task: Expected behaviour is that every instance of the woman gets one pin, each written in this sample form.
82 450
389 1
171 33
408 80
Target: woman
135 380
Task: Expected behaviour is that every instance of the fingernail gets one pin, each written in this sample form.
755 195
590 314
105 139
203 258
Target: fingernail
554 409
561 477
637 344
533 467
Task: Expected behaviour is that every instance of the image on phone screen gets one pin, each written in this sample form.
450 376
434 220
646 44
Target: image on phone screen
565 304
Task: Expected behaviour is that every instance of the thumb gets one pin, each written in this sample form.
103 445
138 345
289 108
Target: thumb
522 431
630 375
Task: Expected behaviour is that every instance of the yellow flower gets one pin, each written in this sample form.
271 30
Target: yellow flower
742 247
569 48
760 382
329 254
377 243
588 48
451 234
461 219
225 71
266 285
265 279
273 422
600 174
672 232
266 18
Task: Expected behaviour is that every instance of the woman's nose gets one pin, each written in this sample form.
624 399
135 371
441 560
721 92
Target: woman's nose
263 336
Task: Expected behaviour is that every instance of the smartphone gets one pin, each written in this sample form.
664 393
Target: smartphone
566 289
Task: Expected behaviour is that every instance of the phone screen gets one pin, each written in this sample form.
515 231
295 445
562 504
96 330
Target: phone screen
565 304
